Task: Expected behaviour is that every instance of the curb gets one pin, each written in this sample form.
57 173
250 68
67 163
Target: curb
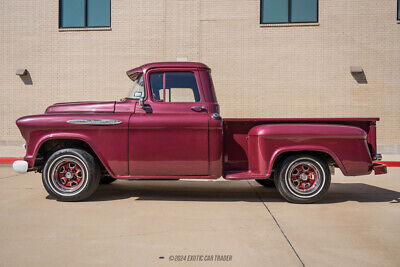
387 163
8 160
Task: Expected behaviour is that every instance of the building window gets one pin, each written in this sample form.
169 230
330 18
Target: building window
398 9
85 13
289 11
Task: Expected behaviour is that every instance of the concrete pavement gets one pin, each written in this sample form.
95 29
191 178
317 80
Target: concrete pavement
144 223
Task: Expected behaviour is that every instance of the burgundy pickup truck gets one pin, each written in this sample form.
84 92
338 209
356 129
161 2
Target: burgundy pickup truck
169 127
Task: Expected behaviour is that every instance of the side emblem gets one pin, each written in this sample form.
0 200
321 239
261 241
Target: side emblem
95 122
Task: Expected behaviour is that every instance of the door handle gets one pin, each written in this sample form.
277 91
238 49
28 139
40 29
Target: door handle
198 108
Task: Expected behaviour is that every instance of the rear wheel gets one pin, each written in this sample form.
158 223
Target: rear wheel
71 175
303 179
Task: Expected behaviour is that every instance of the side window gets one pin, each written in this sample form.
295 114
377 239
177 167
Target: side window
174 87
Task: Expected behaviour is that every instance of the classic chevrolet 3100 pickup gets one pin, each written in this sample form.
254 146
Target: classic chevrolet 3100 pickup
169 127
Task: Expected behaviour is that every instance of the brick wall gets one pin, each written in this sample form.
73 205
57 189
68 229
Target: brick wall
258 71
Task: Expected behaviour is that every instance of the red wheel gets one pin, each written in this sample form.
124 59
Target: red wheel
71 175
303 179
68 175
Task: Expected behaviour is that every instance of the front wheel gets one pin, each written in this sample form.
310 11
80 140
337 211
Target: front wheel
71 175
303 179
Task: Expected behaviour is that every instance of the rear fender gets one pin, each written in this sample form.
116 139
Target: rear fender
346 145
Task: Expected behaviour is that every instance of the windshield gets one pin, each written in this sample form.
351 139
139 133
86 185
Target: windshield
137 89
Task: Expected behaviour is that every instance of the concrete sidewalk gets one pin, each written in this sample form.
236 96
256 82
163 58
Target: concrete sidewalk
134 223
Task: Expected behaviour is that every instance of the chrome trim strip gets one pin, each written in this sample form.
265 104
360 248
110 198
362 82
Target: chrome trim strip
95 122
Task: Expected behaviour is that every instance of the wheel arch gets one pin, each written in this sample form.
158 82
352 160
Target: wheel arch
50 145
328 156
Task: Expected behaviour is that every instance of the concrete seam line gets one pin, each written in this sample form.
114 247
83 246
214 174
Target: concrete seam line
10 176
277 224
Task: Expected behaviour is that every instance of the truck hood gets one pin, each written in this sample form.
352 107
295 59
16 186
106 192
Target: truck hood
82 107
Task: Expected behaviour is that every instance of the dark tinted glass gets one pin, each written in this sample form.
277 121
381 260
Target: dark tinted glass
85 13
72 13
304 10
284 11
181 87
156 82
274 11
98 13
398 9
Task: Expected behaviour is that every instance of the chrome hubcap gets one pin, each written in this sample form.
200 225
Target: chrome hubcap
67 176
304 178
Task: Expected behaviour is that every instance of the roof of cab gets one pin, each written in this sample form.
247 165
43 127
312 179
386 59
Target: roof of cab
148 66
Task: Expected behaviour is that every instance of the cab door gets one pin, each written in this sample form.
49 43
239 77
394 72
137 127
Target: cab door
169 136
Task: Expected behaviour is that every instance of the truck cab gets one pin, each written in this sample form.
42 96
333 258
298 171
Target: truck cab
176 124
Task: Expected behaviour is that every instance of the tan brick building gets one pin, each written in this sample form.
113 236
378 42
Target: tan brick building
259 70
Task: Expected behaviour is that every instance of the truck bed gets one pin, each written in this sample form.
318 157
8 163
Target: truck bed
236 132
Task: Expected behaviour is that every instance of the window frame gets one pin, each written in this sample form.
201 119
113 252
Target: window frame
164 71
289 15
86 16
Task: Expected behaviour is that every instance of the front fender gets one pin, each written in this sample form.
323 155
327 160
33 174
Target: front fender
346 145
109 142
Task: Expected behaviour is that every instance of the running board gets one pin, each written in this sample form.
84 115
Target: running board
243 175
